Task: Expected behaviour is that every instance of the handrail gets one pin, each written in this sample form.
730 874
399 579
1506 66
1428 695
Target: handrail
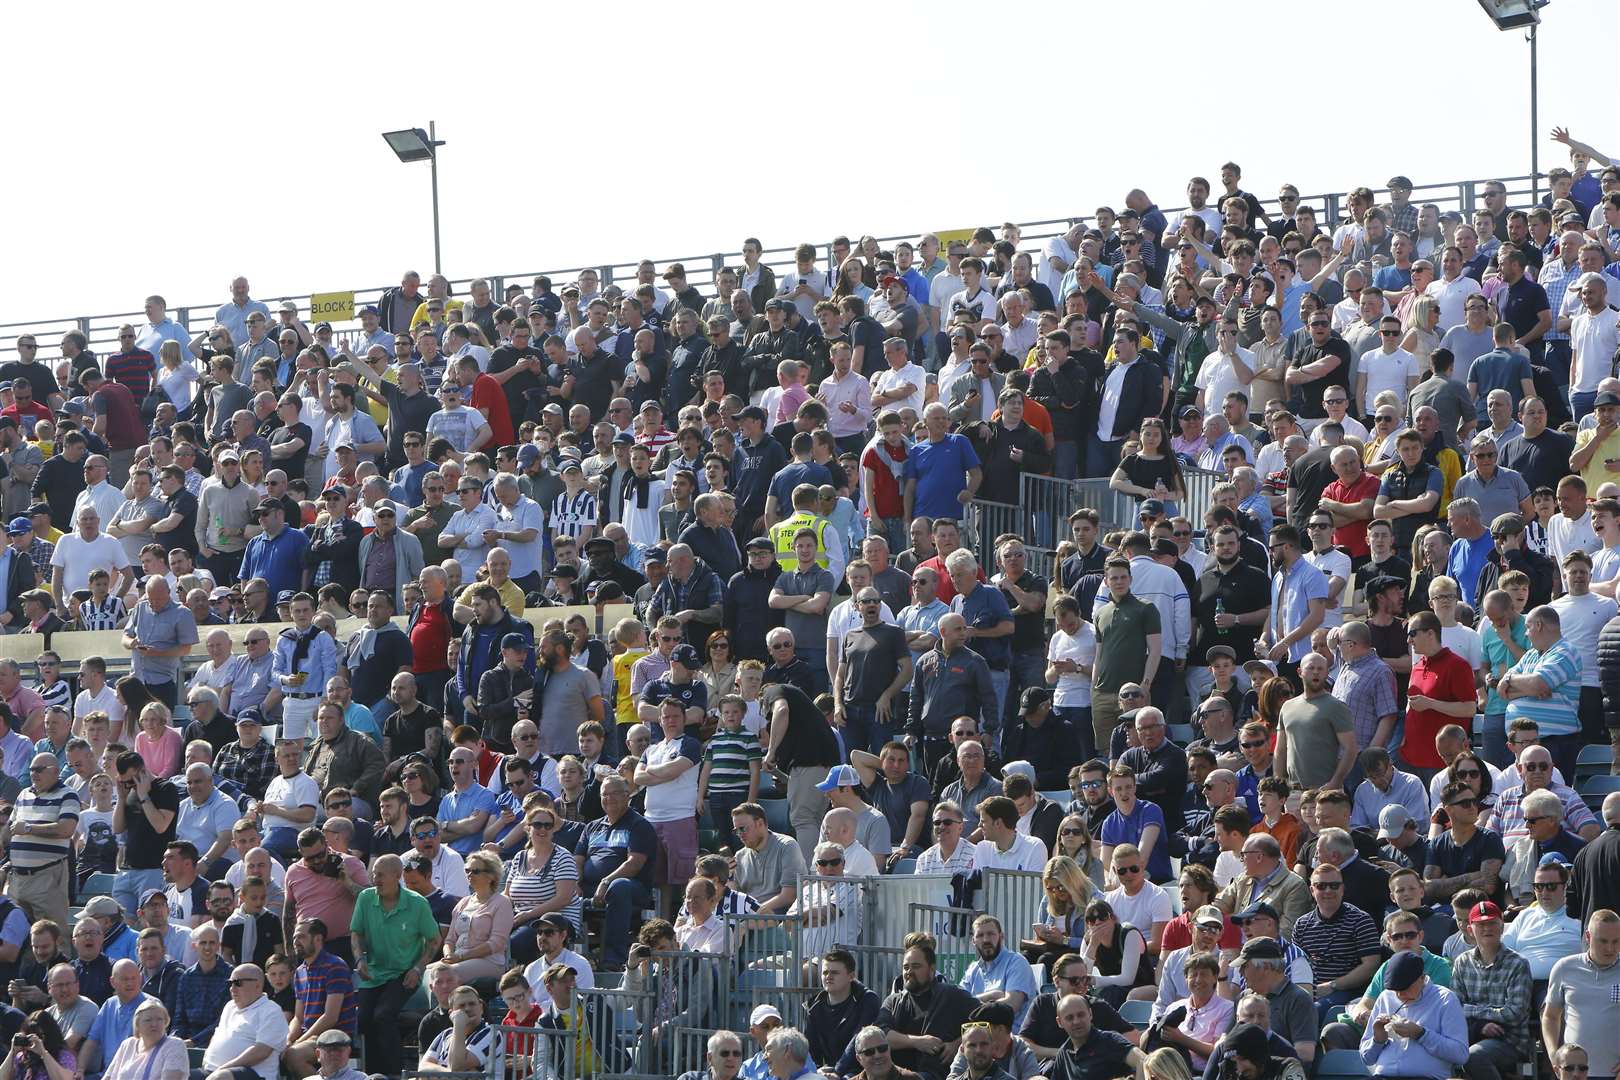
701 269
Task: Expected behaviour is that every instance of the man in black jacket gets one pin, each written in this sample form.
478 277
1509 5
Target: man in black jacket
746 612
769 349
1133 389
685 362
333 554
18 577
1041 739
840 1009
1008 448
1064 385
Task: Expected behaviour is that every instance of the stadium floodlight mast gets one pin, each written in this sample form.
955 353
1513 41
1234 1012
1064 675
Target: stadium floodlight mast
1511 15
414 144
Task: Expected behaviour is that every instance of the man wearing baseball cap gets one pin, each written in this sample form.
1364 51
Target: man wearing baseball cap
1494 984
1416 1029
683 685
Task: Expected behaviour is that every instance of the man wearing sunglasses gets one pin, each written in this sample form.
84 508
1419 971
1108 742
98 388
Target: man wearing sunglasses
1341 940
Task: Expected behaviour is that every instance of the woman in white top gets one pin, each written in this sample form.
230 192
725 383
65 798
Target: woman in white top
1422 330
175 376
149 1053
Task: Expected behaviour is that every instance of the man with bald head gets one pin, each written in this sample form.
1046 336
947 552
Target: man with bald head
39 837
116 1020
948 681
692 593
159 633
251 1034
394 934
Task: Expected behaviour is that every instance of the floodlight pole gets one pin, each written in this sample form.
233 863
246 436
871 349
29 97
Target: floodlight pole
1535 156
434 144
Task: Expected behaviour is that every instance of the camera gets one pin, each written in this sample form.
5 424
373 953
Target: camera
334 865
20 1041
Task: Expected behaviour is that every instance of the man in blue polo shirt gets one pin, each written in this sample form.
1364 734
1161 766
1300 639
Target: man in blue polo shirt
277 554
617 854
942 472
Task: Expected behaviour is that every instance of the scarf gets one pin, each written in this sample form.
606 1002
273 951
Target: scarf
305 641
637 486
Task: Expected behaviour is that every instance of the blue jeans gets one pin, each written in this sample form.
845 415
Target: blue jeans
1557 357
1565 751
1328 1006
129 885
1000 681
1066 459
817 659
862 730
1580 404
282 842
1496 749
625 898
1102 458
1026 670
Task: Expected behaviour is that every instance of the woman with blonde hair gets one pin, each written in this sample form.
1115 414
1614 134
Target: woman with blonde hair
1062 924
1074 841
175 376
1422 336
475 945
1166 1063
149 1053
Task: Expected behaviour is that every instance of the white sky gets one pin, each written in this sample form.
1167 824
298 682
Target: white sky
167 149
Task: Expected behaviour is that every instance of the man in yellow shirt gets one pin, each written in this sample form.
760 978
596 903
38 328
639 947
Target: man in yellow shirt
1597 450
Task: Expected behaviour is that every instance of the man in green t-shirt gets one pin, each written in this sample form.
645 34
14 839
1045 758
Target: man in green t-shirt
394 935
1128 643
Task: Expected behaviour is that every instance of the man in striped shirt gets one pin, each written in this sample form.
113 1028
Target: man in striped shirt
42 827
1341 941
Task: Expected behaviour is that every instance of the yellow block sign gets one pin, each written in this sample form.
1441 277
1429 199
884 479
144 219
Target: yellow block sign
332 307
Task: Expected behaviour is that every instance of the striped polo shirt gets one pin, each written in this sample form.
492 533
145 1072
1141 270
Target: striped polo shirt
42 808
317 978
728 756
1560 668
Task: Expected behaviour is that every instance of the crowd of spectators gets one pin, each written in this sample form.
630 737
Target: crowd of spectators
548 633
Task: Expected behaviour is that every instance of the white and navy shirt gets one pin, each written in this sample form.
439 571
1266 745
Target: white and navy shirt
483 1043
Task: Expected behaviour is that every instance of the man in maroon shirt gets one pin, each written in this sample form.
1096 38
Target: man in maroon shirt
117 420
1349 498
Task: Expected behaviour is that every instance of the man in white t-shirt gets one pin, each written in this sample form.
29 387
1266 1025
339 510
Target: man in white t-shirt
79 553
1003 848
250 1025
95 695
1070 653
1451 289
1230 367
901 384
1582 614
290 802
1465 641
1388 367
1333 563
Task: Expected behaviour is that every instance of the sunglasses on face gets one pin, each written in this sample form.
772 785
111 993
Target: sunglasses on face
1127 869
1406 935
1327 886
1548 886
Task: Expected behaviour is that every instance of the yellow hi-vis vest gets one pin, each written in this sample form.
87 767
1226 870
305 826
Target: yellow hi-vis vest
782 534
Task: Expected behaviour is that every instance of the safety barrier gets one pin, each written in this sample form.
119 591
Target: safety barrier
1047 502
1014 897
102 330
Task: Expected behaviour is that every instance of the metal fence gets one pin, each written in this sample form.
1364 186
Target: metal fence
701 269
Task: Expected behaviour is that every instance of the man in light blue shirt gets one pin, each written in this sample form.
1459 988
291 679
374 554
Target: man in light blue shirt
464 810
116 1020
1385 786
1416 1028
306 657
1300 592
233 314
920 621
161 328
999 975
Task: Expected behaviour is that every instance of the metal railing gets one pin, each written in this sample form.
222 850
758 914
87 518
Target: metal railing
702 269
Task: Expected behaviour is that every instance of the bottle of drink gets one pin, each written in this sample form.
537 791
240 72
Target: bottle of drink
1220 609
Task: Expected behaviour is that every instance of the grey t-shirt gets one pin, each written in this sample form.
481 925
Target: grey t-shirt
1502 495
76 1020
165 629
871 832
764 873
564 705
1586 994
1467 346
809 631
152 507
1312 726
1293 1016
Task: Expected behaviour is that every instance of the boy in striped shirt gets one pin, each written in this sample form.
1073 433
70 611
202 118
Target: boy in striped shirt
573 512
731 769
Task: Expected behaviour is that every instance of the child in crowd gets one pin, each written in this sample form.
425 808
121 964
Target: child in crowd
750 681
731 768
1275 818
94 840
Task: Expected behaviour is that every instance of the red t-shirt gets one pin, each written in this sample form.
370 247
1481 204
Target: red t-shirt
886 493
430 641
490 399
124 428
1445 676
1352 537
1178 934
